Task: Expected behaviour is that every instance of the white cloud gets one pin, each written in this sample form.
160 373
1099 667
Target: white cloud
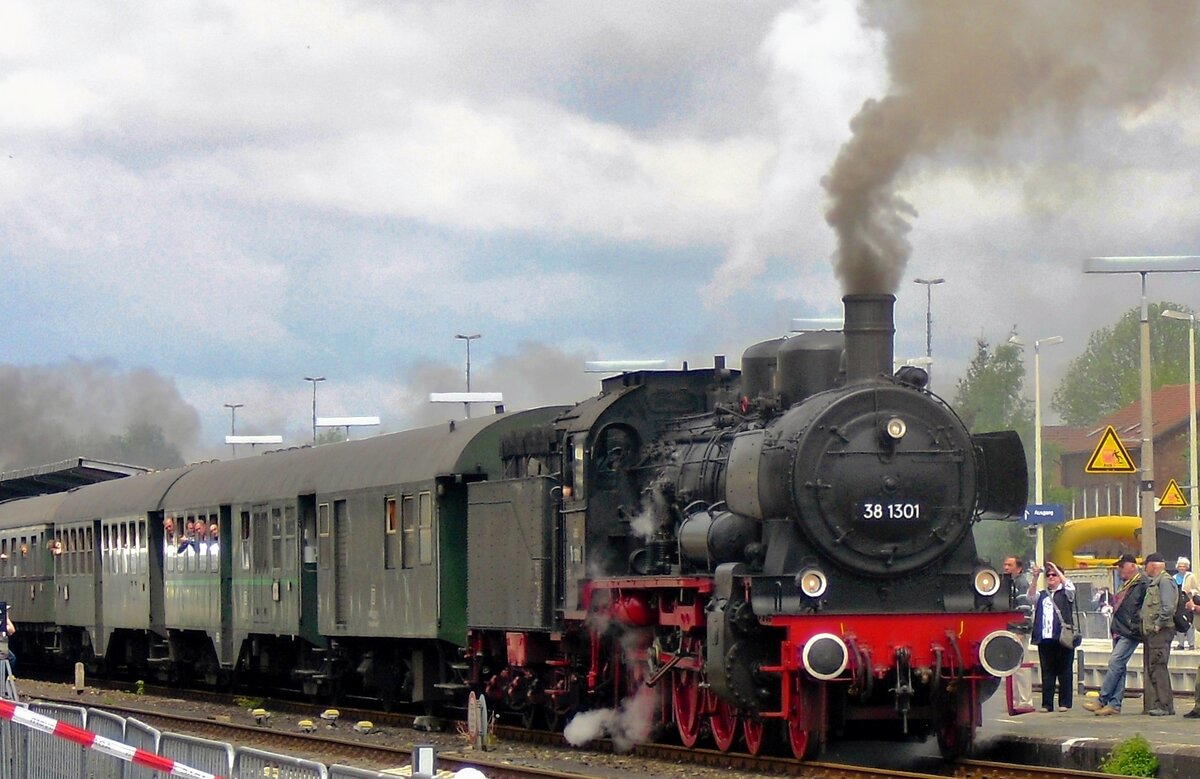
822 65
517 166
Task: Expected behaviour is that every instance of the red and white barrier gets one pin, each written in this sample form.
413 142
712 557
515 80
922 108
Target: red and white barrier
86 738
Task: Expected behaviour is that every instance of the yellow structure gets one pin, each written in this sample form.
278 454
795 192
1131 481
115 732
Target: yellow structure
1078 532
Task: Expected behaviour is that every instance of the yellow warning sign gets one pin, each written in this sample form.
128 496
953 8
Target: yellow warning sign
1110 455
1172 497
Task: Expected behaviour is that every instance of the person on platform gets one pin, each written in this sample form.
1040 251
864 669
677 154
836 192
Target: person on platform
1022 684
9 629
1158 626
1193 605
1189 587
1126 627
1054 610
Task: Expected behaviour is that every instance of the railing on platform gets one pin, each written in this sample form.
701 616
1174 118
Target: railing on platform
139 735
255 762
55 758
27 752
215 757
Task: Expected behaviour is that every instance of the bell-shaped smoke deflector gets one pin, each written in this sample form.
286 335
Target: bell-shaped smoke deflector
1003 479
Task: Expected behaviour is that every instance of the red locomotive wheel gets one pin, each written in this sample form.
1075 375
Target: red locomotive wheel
754 733
685 705
953 722
798 737
806 719
724 723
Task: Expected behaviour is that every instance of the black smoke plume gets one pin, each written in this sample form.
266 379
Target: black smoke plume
89 409
970 77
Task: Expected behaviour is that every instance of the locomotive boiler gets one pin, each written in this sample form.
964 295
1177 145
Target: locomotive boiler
783 552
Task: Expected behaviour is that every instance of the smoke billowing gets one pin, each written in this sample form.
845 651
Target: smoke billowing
536 375
971 77
89 409
629 724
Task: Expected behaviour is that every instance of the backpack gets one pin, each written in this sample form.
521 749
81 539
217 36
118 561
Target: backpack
1183 617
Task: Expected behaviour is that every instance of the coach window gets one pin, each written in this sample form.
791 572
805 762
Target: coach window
245 538
323 552
89 546
73 548
408 528
577 467
425 504
391 534
276 538
214 543
290 529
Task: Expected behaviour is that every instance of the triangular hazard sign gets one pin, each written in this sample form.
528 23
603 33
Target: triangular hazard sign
1172 497
1110 455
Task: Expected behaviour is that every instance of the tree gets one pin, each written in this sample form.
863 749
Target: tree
989 397
1107 376
142 443
333 435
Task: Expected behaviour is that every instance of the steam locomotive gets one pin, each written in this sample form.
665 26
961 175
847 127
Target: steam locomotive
776 553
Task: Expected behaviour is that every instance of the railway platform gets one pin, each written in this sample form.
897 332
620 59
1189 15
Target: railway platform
1078 739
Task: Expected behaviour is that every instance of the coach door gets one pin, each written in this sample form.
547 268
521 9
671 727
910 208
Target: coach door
260 551
341 574
225 565
153 548
308 568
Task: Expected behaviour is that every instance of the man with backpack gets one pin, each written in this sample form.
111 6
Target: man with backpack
1126 628
1158 628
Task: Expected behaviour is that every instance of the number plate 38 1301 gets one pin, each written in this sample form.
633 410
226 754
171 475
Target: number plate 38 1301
903 511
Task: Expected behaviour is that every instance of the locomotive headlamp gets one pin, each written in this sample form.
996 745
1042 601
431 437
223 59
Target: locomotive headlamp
987 582
895 428
812 582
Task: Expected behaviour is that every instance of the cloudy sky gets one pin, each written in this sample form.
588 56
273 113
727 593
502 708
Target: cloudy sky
204 202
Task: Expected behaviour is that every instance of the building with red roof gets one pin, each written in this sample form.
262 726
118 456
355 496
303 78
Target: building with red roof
1117 494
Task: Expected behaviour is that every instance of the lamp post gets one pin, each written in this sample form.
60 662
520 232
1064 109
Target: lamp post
929 284
468 339
1143 266
314 380
1038 493
1194 489
233 407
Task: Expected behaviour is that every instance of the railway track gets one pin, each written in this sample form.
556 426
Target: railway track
341 745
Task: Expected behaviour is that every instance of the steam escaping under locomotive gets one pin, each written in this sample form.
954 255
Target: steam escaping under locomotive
774 554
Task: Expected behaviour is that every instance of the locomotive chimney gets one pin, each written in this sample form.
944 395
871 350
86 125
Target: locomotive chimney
869 329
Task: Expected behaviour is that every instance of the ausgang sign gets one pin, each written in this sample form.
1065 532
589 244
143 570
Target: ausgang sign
1045 513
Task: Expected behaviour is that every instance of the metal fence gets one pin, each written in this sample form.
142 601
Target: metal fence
31 754
55 758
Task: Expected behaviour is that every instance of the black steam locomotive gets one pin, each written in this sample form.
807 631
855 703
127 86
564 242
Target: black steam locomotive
785 549
776 553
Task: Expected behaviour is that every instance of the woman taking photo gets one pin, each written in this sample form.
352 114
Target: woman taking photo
1055 634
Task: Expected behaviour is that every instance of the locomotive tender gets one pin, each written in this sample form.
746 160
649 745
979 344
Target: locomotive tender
780 552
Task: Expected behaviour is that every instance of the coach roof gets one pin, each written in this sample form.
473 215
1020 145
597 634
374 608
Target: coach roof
464 446
23 512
